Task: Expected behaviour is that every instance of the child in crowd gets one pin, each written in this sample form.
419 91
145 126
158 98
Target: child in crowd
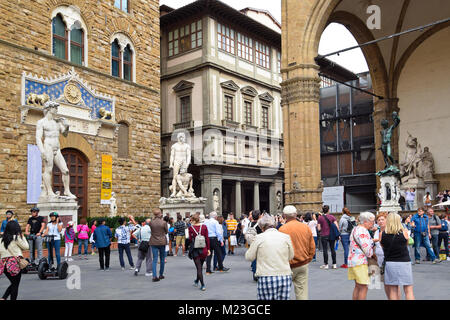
69 235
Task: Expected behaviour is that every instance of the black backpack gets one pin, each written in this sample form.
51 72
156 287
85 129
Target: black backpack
350 225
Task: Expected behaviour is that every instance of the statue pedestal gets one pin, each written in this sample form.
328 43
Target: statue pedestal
186 209
66 208
389 194
431 186
419 185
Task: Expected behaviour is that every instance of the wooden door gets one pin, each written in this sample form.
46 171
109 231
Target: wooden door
78 169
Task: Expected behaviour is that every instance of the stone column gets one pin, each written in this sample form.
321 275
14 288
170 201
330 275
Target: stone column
238 199
272 199
300 103
256 196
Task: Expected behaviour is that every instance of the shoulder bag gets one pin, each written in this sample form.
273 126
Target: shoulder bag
23 263
334 232
199 242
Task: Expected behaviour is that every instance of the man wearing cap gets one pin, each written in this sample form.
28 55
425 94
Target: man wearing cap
34 229
9 216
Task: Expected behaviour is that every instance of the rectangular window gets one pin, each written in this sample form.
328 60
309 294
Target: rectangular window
185 38
278 61
262 55
248 113
76 46
225 38
245 47
122 5
185 109
228 107
265 117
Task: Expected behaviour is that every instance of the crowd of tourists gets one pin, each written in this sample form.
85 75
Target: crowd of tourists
279 248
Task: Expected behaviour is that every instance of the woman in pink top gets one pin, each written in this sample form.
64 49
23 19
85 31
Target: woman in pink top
83 237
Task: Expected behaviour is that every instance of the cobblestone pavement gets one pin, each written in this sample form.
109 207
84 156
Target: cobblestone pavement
430 282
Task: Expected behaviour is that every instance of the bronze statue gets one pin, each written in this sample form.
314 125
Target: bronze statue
386 135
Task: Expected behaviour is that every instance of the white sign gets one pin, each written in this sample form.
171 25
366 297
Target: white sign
334 198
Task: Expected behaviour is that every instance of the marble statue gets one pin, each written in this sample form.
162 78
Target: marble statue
184 185
279 205
427 164
216 201
49 128
113 205
180 157
410 166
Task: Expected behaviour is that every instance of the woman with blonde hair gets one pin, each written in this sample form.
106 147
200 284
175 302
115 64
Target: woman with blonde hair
398 270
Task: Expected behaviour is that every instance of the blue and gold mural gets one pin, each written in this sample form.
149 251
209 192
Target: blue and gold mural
69 89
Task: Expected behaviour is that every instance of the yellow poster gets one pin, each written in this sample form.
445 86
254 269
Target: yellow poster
106 187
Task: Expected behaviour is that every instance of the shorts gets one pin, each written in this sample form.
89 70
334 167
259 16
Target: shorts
360 274
180 240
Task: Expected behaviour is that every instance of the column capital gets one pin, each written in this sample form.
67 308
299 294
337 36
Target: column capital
300 89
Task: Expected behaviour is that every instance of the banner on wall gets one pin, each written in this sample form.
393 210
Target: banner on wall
106 187
334 197
34 174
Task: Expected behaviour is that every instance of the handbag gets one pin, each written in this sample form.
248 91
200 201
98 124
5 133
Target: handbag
233 240
199 242
23 263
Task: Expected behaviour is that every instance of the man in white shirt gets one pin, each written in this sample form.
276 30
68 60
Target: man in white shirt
215 234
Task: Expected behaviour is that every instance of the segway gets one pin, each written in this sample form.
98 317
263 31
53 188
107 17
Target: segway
44 270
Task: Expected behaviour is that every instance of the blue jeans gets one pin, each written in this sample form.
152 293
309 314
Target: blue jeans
224 253
162 255
125 247
345 239
56 244
315 242
85 243
418 239
409 205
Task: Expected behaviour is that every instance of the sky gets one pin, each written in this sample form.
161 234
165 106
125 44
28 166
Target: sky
334 37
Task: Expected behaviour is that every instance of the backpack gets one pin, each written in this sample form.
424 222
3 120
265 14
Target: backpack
199 242
251 233
350 225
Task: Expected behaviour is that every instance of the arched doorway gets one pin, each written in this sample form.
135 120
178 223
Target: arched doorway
78 169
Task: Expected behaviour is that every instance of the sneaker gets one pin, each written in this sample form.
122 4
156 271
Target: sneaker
155 279
123 269
334 266
209 273
448 258
148 274
195 284
136 272
344 266
324 266
224 269
132 267
101 269
436 261
203 288
70 259
417 261
107 269
93 253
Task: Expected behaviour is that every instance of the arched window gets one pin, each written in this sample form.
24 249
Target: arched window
127 63
123 58
116 59
69 35
76 46
60 36
124 130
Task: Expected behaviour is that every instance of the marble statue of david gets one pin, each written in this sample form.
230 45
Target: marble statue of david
49 129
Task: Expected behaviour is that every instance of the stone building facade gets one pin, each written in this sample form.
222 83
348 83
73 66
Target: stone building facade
220 84
64 48
409 72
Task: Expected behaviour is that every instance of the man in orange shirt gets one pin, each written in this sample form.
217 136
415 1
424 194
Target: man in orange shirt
304 249
231 227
